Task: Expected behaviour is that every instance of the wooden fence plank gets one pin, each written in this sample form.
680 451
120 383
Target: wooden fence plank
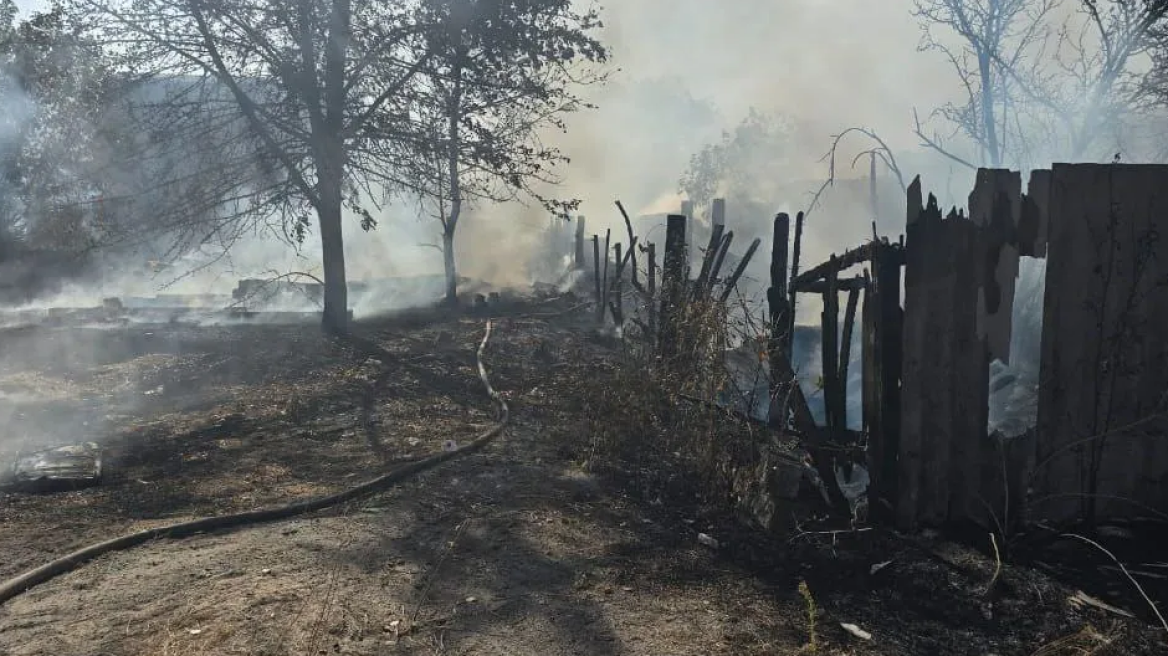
581 263
778 309
1101 450
673 283
995 205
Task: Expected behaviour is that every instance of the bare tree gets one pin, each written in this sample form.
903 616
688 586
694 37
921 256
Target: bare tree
315 86
502 72
1043 79
988 43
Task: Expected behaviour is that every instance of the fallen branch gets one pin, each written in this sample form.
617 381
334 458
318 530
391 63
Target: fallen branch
24 582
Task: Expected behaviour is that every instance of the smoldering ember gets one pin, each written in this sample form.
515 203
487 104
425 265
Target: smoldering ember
663 327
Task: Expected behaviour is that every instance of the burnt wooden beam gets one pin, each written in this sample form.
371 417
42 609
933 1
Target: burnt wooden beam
616 305
703 279
846 351
732 281
882 319
836 264
604 277
820 286
779 387
716 268
651 290
580 263
791 297
814 438
632 246
596 266
830 355
673 283
778 306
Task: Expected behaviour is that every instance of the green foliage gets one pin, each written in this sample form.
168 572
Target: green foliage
812 646
54 85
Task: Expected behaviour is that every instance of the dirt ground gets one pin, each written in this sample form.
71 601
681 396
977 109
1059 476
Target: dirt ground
514 550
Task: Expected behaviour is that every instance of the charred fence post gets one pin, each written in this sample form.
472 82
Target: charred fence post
581 264
830 356
846 352
778 308
732 281
603 284
615 304
945 389
596 267
882 334
673 284
794 274
651 291
704 280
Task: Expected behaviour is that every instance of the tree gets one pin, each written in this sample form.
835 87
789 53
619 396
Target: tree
994 40
501 74
746 164
1042 80
315 84
54 84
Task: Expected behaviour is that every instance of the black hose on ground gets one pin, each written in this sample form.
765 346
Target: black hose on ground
24 582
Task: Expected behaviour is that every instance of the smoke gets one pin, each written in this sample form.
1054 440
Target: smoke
689 71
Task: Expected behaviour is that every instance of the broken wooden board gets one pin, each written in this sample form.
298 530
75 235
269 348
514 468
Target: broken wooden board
995 206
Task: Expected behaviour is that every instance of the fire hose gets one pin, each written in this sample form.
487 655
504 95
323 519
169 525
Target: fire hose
31 578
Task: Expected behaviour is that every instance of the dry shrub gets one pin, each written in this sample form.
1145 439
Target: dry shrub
653 417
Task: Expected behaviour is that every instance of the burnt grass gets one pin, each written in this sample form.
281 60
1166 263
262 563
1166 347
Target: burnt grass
538 545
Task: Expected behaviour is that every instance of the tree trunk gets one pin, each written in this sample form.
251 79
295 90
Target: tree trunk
330 169
451 270
453 114
989 128
332 242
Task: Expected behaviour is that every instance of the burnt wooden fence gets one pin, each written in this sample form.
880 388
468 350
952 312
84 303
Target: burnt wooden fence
1099 449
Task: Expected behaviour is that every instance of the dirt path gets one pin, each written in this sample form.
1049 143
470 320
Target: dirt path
512 551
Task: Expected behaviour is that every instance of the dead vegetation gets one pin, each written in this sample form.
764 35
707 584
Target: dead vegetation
550 542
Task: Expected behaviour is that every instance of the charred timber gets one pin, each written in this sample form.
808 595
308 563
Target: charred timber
849 259
857 283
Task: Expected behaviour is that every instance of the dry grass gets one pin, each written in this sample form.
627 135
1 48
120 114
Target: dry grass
653 416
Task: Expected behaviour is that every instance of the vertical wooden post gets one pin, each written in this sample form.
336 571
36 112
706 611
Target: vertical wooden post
672 282
875 208
791 299
718 212
946 372
916 338
651 289
779 323
996 206
882 365
580 262
604 284
846 354
830 353
618 314
704 282
716 267
596 268
687 208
